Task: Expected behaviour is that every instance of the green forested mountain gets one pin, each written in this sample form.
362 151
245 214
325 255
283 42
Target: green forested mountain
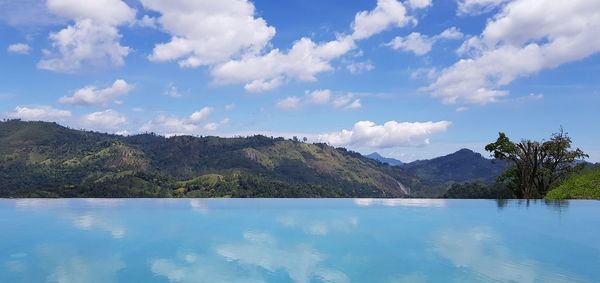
40 159
437 175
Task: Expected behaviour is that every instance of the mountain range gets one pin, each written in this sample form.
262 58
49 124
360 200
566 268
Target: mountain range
387 160
42 159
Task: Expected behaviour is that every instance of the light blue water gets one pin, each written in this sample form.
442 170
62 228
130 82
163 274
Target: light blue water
363 240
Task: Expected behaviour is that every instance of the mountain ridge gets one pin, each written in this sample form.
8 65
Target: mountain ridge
382 159
43 159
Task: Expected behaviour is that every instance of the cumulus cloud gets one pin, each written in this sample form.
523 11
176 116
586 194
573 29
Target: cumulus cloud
107 121
476 7
320 97
291 102
390 134
526 37
480 253
421 44
19 48
306 58
201 115
302 62
387 14
93 38
302 263
41 113
346 101
207 32
419 4
92 96
172 126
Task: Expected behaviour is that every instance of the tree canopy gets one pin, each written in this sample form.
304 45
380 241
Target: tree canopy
536 167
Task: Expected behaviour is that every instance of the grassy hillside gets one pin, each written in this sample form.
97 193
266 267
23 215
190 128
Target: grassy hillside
39 159
582 186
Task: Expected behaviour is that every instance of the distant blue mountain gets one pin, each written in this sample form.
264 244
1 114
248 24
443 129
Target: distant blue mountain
390 161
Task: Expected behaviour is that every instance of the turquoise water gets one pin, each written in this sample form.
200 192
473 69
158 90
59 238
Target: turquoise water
269 240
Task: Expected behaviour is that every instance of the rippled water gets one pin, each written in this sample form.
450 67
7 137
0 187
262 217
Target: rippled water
268 240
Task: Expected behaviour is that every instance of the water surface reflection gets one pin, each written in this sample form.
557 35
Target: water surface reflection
278 240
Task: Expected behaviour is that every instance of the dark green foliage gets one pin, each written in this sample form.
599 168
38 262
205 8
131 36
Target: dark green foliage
39 159
536 167
436 175
477 190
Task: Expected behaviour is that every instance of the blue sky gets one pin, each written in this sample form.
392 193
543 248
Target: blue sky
409 79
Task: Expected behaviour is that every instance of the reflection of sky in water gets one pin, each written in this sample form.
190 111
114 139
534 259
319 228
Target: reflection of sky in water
361 240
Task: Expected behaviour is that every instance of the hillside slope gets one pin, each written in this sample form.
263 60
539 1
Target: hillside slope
582 186
437 174
39 159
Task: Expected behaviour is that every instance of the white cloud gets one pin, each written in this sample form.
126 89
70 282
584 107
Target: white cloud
172 126
388 13
169 126
390 134
207 32
229 107
526 37
291 102
421 44
27 13
84 43
92 96
414 42
108 120
359 67
354 105
320 96
111 12
419 4
346 101
201 115
92 39
41 113
476 7
400 202
451 33
147 22
306 58
172 91
479 253
302 62
262 85
19 48
213 126
302 263
424 73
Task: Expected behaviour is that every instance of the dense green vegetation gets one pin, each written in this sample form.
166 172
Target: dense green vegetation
477 190
439 174
582 186
536 167
39 159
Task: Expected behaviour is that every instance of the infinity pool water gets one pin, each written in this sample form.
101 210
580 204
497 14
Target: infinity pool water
300 240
